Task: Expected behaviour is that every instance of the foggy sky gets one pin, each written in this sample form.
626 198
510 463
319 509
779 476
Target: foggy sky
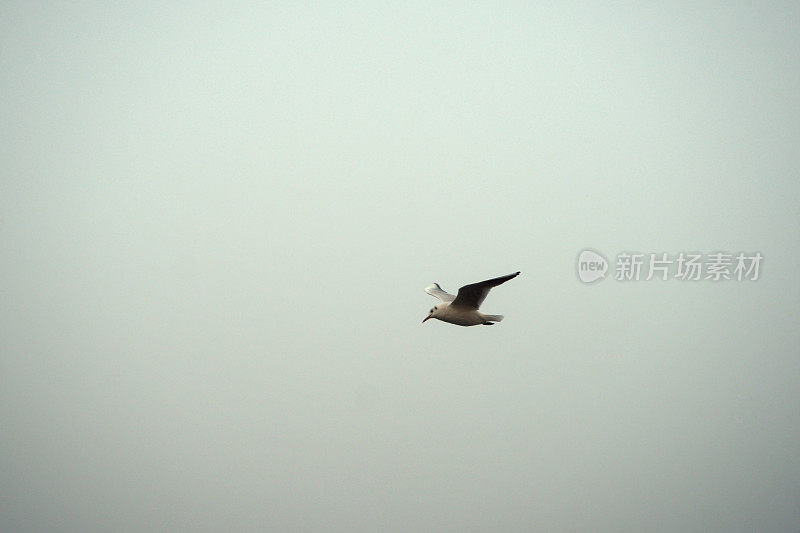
218 221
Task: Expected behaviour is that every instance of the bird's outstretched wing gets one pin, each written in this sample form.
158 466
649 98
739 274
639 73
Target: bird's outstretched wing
474 294
436 290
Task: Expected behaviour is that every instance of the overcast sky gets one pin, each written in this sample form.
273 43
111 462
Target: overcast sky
218 220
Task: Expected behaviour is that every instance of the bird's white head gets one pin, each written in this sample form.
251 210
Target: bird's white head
432 314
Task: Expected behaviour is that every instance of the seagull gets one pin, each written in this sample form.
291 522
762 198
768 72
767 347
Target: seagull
463 309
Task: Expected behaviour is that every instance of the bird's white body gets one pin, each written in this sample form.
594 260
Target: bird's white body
463 316
462 310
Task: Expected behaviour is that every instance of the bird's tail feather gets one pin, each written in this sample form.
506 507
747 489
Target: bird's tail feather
494 318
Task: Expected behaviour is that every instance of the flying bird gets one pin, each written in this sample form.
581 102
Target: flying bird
463 309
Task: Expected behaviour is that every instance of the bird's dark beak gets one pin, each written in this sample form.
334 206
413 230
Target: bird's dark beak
426 318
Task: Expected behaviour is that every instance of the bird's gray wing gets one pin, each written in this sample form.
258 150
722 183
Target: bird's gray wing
436 290
474 294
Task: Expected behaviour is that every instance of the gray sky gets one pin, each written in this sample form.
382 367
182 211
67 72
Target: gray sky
217 222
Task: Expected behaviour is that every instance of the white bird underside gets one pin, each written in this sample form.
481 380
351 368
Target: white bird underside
463 308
